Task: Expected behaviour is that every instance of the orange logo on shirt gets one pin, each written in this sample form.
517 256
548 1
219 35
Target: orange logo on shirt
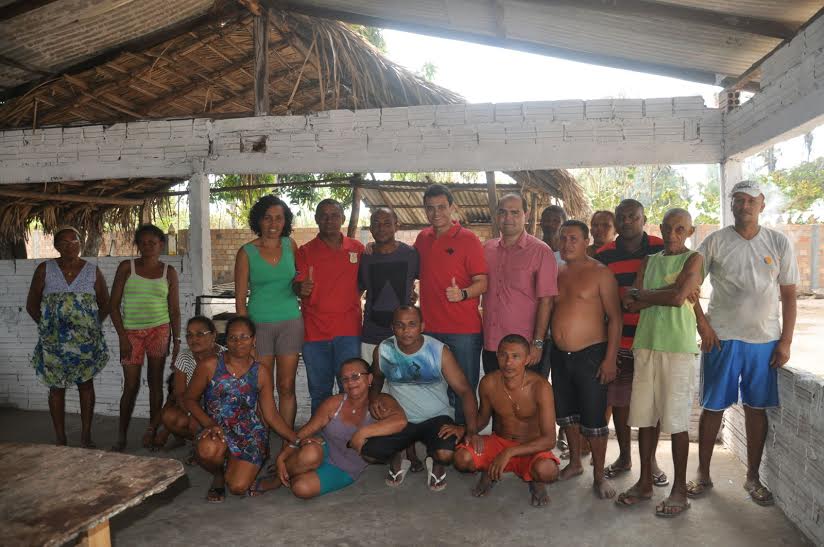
768 260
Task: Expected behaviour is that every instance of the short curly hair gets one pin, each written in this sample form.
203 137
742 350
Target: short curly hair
259 209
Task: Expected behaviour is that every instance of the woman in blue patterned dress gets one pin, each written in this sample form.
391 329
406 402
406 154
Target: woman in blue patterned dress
68 299
234 441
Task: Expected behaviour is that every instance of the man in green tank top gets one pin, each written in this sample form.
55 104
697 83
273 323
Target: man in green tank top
665 350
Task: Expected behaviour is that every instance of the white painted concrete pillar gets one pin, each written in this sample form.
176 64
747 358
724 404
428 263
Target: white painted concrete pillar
731 172
200 239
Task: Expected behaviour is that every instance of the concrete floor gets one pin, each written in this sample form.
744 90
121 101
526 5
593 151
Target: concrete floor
369 513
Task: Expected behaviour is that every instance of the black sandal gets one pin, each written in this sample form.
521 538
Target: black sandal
216 494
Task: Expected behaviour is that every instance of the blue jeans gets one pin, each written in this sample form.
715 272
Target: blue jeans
323 360
467 350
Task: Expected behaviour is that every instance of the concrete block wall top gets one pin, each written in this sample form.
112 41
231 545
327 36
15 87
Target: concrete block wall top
505 136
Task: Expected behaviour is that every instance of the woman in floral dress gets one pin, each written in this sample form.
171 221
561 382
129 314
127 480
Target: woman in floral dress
234 440
69 300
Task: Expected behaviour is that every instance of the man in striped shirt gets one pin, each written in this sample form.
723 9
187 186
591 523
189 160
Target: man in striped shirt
623 257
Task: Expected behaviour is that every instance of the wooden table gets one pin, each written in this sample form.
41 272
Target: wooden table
50 495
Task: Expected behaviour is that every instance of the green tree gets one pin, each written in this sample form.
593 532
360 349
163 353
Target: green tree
373 35
428 71
709 204
658 187
802 186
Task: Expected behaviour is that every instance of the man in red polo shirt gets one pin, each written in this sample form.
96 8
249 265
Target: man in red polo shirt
453 277
327 283
623 257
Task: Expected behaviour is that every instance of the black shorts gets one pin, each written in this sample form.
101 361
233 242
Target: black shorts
579 396
381 449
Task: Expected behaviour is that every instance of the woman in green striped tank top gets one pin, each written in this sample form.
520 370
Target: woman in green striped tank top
265 269
145 313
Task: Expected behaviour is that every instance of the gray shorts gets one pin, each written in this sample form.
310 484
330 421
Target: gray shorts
280 337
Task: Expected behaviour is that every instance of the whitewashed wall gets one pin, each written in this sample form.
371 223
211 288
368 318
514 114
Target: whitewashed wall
793 462
505 136
19 385
791 100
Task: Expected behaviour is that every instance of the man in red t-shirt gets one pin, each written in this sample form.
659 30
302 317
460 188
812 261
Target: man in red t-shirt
623 257
327 283
453 276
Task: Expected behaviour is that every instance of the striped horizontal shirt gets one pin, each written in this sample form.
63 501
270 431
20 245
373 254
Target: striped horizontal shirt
625 266
145 301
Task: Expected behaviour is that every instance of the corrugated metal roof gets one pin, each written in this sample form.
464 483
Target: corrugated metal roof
693 39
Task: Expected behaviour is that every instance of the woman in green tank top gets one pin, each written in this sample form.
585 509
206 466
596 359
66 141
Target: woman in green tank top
265 269
147 291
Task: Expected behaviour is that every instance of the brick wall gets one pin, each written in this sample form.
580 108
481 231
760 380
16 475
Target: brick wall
793 462
18 335
807 239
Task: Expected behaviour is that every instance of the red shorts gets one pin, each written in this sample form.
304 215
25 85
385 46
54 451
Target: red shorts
520 465
152 342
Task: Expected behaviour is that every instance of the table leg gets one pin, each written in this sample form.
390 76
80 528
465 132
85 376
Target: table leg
98 536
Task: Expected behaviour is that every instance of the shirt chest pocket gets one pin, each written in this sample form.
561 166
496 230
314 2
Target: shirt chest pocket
521 279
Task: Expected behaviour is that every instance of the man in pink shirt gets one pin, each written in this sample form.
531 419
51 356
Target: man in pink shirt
522 282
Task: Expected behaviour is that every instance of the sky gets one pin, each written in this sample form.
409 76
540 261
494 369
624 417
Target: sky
483 73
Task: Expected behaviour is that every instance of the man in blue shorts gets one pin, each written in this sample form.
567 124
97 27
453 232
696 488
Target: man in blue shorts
742 339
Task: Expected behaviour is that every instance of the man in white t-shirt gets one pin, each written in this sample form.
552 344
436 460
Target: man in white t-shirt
743 341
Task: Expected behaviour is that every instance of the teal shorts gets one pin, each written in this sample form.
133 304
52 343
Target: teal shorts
331 477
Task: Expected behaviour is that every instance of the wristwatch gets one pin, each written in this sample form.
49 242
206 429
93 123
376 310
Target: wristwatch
464 294
634 293
538 344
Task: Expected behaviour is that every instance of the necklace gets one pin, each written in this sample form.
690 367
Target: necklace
515 405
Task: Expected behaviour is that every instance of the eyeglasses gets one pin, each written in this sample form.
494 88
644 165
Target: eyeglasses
198 335
238 337
353 377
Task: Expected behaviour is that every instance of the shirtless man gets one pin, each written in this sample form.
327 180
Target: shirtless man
584 350
523 429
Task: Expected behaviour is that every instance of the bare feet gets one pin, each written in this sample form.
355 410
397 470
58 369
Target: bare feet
484 485
570 470
119 446
633 496
616 468
604 489
217 492
148 437
263 485
538 494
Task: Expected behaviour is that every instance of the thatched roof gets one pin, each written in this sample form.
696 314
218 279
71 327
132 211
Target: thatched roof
201 66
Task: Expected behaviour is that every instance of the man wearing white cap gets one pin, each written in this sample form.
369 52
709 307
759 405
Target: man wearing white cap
743 341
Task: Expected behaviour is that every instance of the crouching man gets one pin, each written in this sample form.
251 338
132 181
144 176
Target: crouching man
523 411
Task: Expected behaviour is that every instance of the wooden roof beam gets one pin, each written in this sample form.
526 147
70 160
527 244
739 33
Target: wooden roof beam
20 7
74 198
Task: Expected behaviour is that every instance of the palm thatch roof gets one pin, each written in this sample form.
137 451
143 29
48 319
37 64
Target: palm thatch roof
201 66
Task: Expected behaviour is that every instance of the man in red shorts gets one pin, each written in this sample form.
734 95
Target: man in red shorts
523 428
623 257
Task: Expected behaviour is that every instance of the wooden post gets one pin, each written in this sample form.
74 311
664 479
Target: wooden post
356 199
492 193
533 214
98 536
261 40
146 212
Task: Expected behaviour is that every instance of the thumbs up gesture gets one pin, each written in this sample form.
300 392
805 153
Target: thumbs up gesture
308 284
454 293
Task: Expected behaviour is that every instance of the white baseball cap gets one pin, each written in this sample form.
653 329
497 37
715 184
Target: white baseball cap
749 187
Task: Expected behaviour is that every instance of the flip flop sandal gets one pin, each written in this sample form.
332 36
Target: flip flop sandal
660 479
696 489
623 497
761 495
661 510
611 471
219 493
255 490
440 482
396 478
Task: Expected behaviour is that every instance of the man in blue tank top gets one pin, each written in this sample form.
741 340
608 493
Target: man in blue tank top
418 370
